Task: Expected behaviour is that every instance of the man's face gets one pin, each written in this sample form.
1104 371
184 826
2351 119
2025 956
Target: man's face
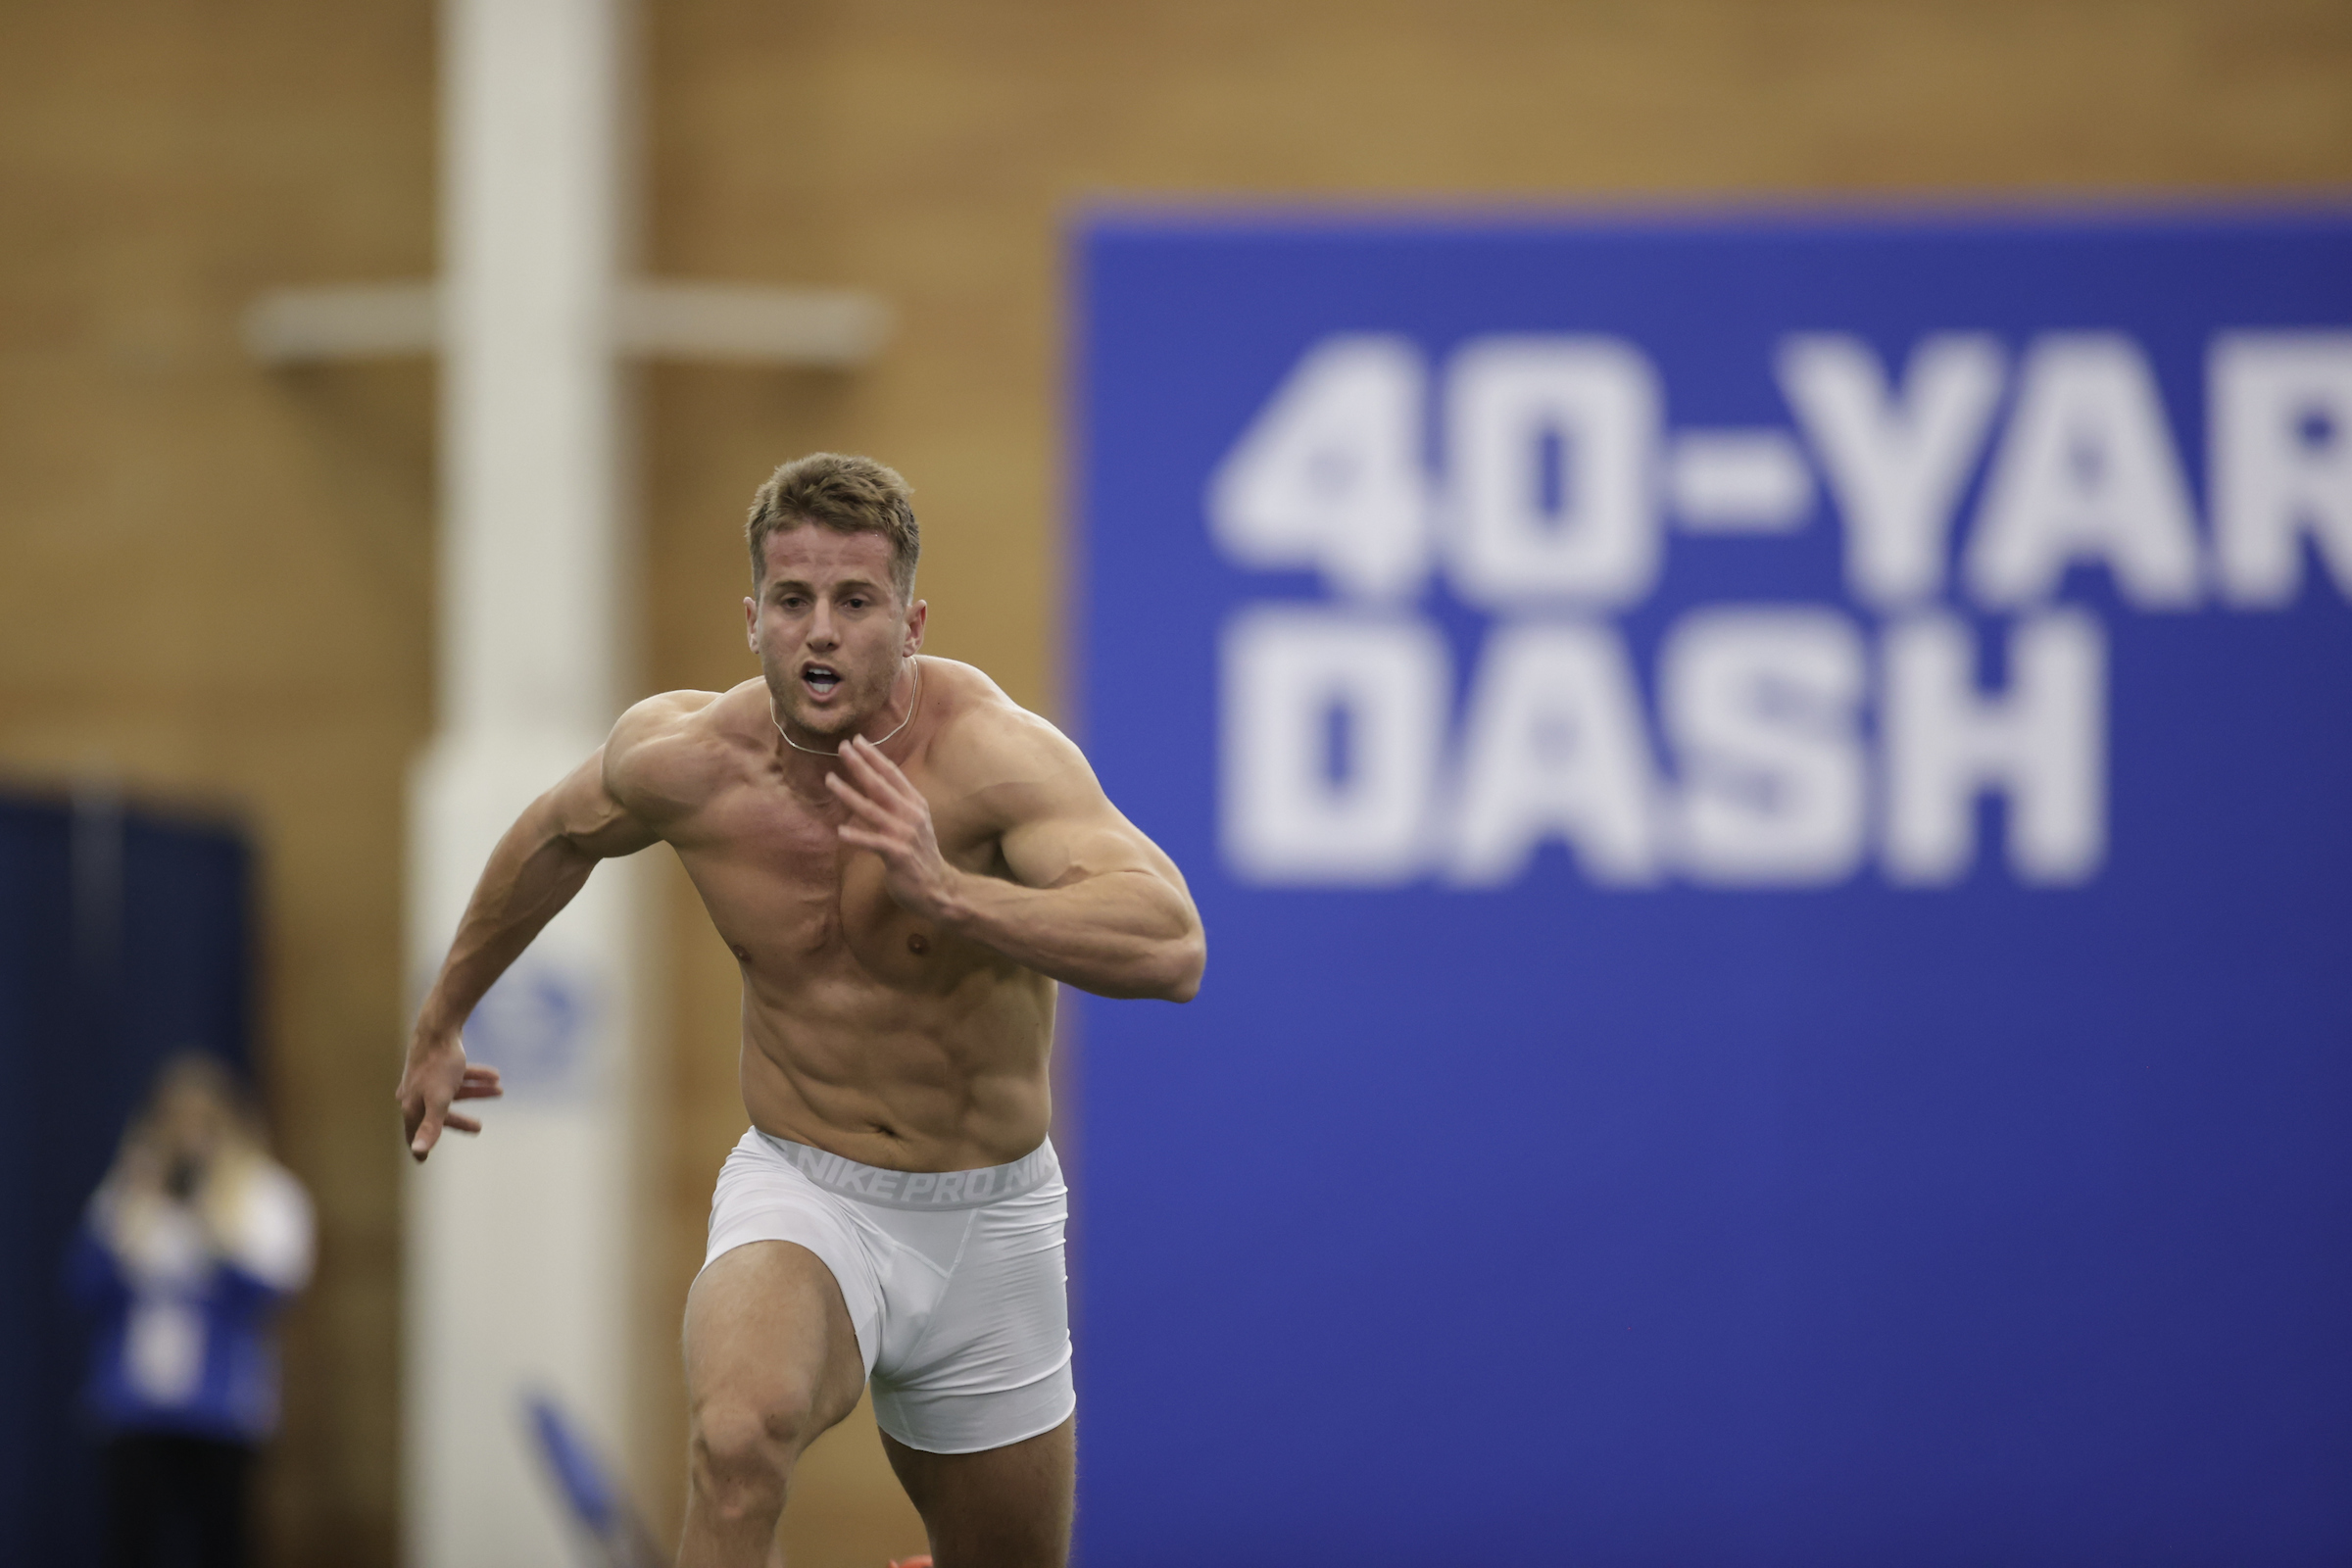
828 627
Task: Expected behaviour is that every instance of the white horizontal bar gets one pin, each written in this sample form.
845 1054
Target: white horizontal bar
750 322
352 322
742 322
1739 481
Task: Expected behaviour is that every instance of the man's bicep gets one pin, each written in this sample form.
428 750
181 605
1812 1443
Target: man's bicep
618 801
1067 830
589 812
1054 851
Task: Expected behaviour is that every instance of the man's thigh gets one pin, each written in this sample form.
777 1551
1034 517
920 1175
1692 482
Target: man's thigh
768 1338
1005 1507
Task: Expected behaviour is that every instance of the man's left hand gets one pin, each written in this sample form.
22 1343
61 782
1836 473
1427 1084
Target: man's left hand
890 817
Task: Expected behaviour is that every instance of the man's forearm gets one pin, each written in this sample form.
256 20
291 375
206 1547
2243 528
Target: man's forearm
532 874
1118 934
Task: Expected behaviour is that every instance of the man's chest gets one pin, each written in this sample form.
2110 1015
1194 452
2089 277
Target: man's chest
779 882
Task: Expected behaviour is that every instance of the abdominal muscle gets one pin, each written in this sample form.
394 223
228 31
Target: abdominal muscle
867 1031
923 1082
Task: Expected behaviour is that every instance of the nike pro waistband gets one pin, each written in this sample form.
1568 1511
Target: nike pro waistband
920 1188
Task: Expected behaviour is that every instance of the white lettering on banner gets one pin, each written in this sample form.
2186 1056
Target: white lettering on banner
1739 481
1553 449
2281 408
1762 708
2086 471
1329 476
1342 763
1555 748
1300 685
2041 744
1896 464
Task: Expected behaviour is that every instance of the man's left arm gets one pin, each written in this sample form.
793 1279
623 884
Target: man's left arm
1093 902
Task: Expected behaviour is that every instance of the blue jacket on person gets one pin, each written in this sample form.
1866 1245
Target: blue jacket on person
182 1306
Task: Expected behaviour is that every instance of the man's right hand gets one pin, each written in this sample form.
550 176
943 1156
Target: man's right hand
436 1076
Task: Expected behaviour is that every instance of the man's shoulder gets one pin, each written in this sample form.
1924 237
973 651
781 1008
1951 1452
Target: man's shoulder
671 720
981 739
669 751
972 715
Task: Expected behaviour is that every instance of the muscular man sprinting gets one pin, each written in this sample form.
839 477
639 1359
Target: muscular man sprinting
903 862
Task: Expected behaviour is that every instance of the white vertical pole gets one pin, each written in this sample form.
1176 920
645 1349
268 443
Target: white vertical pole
520 1244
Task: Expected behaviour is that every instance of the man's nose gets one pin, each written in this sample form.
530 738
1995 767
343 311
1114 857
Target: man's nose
821 626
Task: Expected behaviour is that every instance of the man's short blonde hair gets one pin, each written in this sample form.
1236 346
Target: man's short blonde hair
846 494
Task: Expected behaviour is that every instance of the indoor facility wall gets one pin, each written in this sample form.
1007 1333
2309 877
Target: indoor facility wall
936 152
216 578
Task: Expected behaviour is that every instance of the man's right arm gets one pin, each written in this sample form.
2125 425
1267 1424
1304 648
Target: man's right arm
541 862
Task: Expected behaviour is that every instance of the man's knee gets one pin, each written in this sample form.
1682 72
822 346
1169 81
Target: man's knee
743 1449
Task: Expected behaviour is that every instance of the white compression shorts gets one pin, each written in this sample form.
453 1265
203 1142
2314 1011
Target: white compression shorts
954 1281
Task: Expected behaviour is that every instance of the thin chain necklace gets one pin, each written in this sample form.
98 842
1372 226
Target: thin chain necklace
913 698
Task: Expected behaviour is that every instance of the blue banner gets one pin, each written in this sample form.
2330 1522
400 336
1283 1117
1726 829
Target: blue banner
1773 801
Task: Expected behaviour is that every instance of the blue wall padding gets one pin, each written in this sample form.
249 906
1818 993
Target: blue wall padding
124 935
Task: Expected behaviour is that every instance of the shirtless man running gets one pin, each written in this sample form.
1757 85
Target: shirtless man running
903 863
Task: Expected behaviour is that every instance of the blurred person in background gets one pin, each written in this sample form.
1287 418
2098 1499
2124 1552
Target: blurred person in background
191 1245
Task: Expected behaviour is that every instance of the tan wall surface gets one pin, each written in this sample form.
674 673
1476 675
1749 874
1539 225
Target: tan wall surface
215 579
934 149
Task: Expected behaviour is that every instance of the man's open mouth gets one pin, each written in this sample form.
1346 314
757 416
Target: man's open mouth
820 679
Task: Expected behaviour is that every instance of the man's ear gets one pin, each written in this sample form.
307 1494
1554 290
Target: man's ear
917 614
750 622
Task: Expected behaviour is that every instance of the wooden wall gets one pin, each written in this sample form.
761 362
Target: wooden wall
936 151
217 579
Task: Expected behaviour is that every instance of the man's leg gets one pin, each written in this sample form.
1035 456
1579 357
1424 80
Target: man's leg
1005 1507
771 1361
